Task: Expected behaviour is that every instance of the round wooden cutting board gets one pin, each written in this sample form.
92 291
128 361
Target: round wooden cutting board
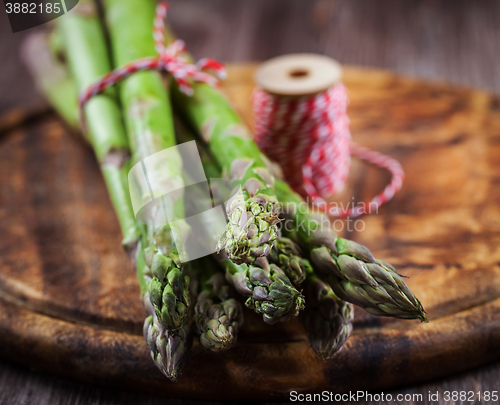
69 300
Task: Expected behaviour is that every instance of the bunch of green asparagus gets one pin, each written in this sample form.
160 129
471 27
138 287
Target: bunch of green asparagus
276 270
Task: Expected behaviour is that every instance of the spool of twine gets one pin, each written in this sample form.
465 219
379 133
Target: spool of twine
301 122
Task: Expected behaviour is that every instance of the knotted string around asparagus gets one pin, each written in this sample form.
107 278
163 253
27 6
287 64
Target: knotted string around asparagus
170 59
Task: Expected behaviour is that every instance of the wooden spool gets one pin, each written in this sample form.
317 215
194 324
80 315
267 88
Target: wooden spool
297 75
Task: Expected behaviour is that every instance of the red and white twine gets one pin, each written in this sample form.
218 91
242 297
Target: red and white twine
170 59
310 138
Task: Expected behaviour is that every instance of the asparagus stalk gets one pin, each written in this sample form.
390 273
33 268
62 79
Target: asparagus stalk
88 59
85 50
327 319
353 273
267 287
372 284
217 315
150 129
287 255
169 352
253 213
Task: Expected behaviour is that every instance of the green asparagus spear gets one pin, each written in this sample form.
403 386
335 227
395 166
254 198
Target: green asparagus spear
217 315
268 289
287 255
88 59
150 129
253 212
327 319
372 284
169 352
84 48
353 273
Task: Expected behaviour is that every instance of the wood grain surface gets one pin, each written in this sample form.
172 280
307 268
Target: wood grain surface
455 41
69 297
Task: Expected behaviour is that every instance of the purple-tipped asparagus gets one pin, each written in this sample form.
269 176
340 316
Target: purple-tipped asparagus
268 289
217 315
327 319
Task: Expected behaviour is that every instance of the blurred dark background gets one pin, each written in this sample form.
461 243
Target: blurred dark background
455 41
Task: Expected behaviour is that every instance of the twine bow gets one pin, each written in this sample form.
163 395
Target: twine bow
171 59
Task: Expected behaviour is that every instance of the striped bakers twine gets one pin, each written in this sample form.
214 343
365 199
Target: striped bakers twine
170 59
309 137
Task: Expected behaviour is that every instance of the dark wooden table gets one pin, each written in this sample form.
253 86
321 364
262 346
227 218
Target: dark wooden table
456 41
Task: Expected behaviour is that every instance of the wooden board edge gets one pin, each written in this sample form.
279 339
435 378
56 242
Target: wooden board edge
254 371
